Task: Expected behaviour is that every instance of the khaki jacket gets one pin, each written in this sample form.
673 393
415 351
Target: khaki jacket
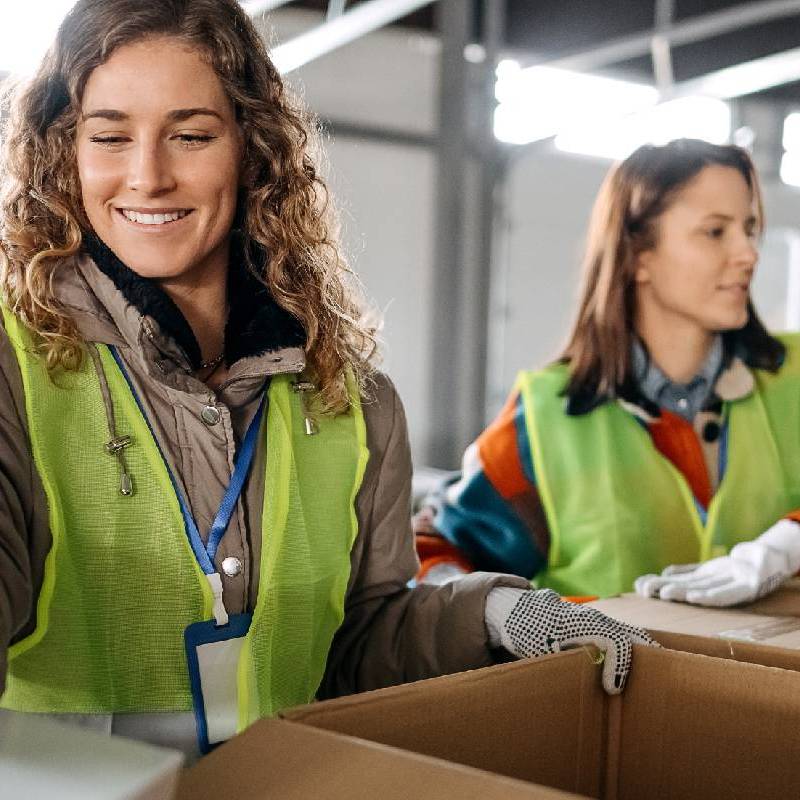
391 634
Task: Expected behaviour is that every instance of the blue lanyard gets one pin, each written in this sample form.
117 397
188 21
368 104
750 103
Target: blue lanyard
204 553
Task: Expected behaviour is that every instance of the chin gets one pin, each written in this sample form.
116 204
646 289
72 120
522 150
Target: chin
730 323
154 272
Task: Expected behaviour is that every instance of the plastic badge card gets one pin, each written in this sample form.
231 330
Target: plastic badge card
212 655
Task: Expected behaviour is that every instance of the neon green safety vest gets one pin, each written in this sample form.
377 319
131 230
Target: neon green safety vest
121 582
617 509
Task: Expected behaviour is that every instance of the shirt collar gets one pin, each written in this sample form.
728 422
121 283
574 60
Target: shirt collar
652 382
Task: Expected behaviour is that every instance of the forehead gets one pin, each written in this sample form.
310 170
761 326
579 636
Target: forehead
155 75
716 189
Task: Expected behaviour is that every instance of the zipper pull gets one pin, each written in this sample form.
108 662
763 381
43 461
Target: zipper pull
125 484
301 387
115 448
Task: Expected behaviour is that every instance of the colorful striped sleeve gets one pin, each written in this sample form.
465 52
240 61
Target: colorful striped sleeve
492 513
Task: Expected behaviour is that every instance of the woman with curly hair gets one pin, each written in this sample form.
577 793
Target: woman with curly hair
205 481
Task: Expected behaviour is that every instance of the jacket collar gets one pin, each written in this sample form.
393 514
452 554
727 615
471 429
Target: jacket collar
113 305
256 323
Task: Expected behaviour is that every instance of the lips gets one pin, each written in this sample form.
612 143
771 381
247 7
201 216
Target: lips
736 287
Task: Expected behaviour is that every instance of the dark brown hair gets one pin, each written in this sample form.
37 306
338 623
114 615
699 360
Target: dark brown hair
285 214
624 224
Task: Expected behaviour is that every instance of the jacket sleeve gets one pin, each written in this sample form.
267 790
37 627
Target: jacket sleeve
24 529
491 512
392 633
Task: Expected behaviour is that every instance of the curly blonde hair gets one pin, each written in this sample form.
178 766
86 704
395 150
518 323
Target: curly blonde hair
286 211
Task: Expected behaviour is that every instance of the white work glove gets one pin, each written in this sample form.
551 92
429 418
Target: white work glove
541 622
751 570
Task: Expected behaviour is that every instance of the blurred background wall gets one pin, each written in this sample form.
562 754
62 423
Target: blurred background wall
388 82
468 243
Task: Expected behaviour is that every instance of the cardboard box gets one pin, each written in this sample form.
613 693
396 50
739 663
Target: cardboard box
281 760
687 726
785 602
730 633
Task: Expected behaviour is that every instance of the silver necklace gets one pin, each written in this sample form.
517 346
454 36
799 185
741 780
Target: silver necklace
212 363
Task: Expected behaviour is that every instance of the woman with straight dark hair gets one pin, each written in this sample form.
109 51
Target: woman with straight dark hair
204 480
667 433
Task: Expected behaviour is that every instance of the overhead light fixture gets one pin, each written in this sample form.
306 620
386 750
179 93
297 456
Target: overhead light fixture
539 102
790 168
791 132
598 116
790 163
26 31
686 117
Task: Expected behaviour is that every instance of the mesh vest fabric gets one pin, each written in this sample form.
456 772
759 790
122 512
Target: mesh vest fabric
617 509
121 582
309 513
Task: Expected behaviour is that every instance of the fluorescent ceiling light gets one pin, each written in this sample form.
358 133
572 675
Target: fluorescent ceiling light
692 117
791 132
538 102
790 168
747 78
26 31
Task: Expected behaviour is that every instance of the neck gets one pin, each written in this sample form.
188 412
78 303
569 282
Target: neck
204 304
678 347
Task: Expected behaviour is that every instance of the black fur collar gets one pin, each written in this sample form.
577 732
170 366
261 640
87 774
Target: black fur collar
256 323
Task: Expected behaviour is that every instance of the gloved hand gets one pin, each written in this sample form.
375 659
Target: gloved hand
751 570
542 623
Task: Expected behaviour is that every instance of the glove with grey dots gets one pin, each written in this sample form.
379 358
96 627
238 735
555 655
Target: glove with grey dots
541 622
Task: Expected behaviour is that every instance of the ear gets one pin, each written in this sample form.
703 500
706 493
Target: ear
641 267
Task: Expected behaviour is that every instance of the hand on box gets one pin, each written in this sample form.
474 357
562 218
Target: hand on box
751 570
542 623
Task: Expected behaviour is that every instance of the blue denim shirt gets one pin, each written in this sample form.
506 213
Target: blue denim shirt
684 399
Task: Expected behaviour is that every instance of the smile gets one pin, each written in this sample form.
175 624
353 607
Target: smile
154 218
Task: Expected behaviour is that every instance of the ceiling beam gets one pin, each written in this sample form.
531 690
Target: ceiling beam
746 78
689 30
660 46
342 30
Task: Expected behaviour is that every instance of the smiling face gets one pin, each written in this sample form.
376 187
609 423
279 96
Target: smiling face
696 280
158 150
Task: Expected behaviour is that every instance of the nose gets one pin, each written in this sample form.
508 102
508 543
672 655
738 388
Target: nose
150 172
745 252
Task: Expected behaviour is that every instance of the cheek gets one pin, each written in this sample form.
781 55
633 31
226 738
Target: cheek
97 177
223 188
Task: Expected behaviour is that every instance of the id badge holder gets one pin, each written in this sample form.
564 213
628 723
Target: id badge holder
212 657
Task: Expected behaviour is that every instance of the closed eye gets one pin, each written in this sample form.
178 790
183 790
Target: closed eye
108 140
190 139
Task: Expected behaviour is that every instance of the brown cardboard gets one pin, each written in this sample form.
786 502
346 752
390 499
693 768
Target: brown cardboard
278 760
732 624
785 602
687 726
731 649
542 724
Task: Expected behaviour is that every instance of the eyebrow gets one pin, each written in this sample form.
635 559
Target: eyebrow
728 217
178 115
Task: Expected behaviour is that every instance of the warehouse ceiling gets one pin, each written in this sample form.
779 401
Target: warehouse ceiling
539 30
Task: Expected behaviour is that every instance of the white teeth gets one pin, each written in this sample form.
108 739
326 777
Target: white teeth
153 219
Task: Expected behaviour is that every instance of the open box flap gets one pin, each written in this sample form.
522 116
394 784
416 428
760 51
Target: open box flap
539 721
687 725
276 759
693 726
